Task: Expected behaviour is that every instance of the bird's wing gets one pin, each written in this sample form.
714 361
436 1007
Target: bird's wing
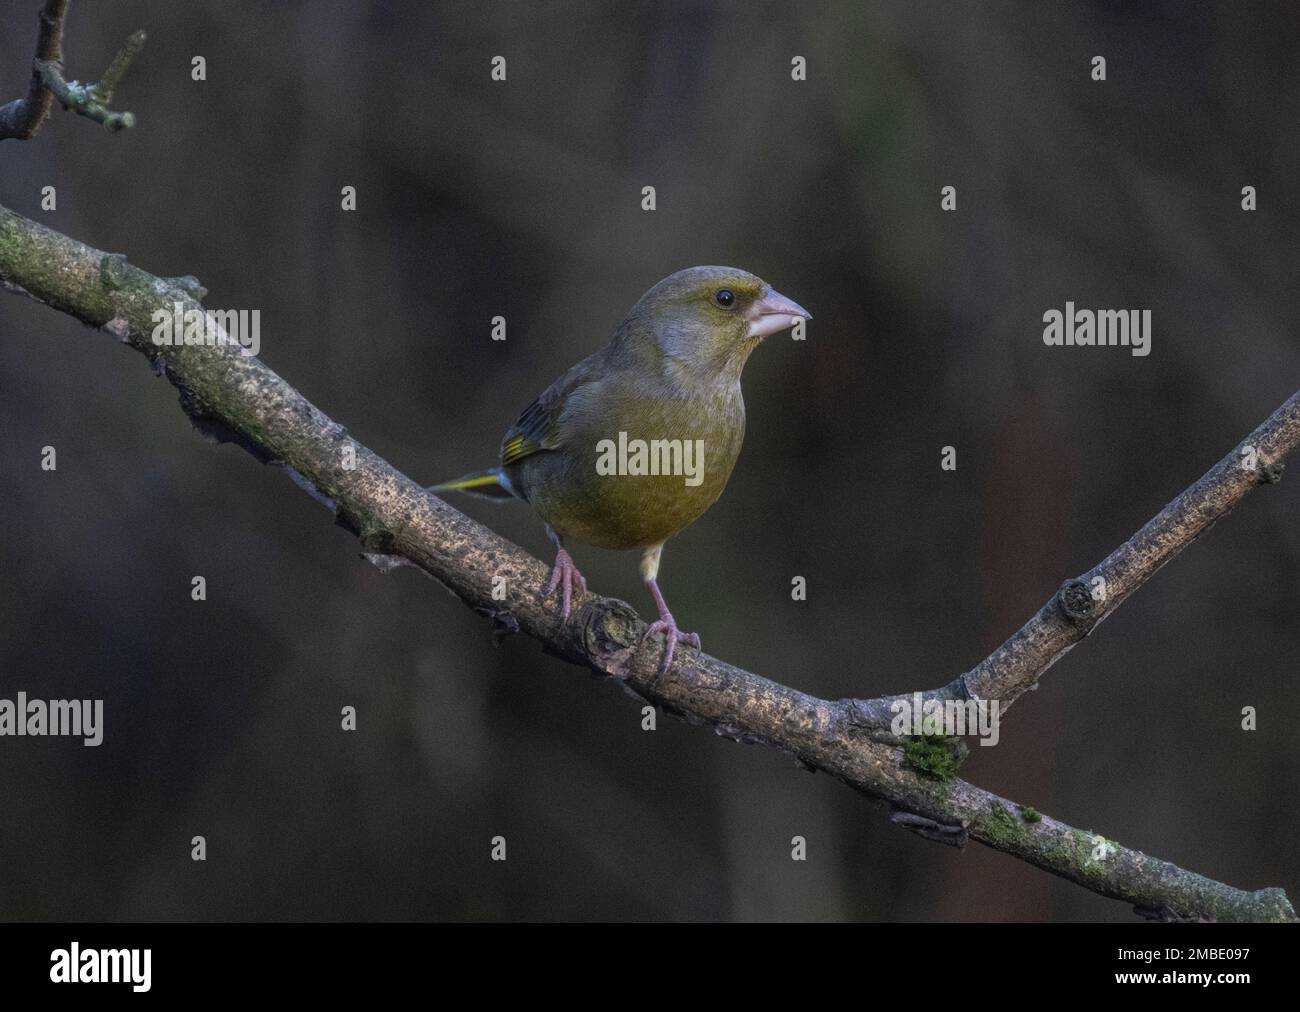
540 426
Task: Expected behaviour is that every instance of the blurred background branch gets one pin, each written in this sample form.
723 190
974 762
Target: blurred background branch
92 100
22 118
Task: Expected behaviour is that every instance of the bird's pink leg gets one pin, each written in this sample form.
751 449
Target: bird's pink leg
564 574
668 626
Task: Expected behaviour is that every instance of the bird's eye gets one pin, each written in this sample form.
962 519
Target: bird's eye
724 297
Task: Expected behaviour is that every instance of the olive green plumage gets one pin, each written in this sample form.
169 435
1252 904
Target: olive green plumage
671 372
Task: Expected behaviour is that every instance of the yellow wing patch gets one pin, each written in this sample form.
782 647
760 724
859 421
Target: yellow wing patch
514 448
534 431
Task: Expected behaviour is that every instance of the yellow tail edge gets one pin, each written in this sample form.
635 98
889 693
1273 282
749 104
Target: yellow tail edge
490 484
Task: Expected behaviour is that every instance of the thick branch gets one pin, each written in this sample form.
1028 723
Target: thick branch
238 398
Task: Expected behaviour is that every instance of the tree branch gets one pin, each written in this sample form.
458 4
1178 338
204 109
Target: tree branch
22 118
1081 604
234 397
92 100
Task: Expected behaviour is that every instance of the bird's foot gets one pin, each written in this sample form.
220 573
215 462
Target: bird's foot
672 636
564 574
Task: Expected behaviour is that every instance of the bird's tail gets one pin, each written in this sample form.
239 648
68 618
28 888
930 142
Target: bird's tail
490 484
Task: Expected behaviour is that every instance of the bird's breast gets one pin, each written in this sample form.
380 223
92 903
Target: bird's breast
638 472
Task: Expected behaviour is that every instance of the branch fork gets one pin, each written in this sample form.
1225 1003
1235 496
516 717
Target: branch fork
23 118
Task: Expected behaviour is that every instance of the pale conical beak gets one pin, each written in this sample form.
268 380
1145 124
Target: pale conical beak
773 312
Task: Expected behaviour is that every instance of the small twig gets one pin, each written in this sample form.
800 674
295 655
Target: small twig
92 100
22 118
952 836
121 63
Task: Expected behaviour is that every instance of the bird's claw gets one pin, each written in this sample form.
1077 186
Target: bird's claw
564 574
672 636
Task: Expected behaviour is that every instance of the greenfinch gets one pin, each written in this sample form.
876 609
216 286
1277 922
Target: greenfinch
635 442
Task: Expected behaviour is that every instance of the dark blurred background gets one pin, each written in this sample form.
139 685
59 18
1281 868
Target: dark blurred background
522 199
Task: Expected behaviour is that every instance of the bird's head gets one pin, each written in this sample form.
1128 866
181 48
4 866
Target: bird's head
710 318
